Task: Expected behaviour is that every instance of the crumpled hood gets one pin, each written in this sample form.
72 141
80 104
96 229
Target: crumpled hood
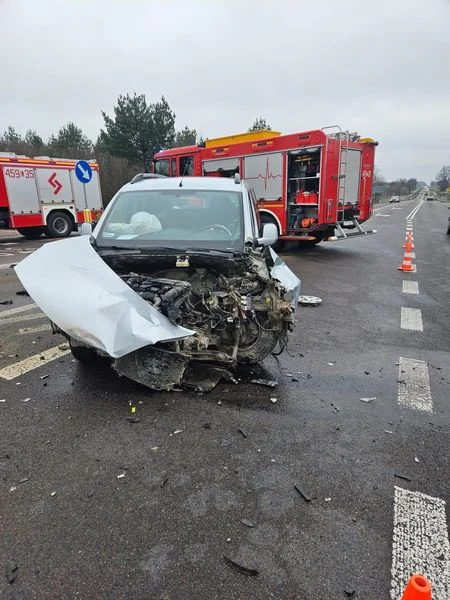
77 290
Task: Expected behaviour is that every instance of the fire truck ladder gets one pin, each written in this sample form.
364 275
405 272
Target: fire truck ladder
344 139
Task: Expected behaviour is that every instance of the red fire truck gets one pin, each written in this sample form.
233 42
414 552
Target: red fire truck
315 185
45 195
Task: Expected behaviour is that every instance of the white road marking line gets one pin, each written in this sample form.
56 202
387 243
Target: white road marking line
415 392
410 254
410 287
420 542
414 211
22 318
411 318
382 215
15 311
38 329
32 362
7 266
396 208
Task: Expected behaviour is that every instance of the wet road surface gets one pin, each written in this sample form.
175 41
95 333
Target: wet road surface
95 504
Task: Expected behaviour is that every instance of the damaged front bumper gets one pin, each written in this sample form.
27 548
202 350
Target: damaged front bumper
165 326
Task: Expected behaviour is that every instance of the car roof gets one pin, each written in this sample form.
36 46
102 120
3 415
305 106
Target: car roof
188 183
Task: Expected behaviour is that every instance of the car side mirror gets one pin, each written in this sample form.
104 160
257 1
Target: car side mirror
86 229
269 235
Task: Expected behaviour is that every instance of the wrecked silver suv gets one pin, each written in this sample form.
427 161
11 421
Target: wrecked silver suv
177 283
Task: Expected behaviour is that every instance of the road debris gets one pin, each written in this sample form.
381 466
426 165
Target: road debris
400 476
26 400
243 432
44 376
225 443
121 475
273 400
368 399
416 459
12 489
5 302
177 431
3 400
241 568
247 523
133 419
327 499
52 494
22 293
309 300
266 382
302 493
11 571
388 431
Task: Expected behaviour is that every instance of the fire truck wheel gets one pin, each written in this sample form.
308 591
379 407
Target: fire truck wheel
59 224
31 233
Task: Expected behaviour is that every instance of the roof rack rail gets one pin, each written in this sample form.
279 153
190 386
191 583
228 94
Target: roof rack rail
143 176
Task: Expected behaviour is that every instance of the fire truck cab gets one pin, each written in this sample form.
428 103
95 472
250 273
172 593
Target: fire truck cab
315 185
45 195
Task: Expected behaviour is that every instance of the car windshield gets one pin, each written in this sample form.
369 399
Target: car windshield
182 218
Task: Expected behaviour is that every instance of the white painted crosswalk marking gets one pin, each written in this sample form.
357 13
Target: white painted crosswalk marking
15 311
420 542
414 385
410 287
411 318
32 362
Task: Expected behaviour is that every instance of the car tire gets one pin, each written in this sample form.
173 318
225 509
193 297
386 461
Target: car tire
31 233
59 224
83 354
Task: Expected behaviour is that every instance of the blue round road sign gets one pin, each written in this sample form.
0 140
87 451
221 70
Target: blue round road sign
83 171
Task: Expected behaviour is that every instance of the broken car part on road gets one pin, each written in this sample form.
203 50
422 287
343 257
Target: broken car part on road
175 284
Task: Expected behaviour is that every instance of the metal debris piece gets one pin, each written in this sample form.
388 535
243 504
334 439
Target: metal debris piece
177 431
366 372
416 459
12 489
247 523
121 475
225 443
309 300
24 480
22 293
133 419
44 376
52 494
26 399
243 432
266 382
273 400
2 400
400 476
241 568
4 302
327 499
368 399
302 493
64 347
11 571
388 431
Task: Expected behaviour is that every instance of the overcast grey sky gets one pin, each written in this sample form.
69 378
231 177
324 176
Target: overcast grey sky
381 68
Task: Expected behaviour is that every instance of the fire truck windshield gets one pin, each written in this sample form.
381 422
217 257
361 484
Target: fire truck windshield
175 218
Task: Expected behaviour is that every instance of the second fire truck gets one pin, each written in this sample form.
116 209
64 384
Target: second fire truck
314 185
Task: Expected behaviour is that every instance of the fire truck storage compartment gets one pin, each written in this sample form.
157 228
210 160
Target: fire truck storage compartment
303 187
221 167
264 172
350 170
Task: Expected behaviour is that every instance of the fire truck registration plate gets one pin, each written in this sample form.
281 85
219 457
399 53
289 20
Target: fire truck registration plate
18 173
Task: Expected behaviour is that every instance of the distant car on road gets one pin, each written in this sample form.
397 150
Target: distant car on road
394 199
430 198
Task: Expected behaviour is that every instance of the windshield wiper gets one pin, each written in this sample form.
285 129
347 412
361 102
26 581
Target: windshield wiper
121 249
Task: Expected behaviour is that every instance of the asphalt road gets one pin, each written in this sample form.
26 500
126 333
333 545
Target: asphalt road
93 505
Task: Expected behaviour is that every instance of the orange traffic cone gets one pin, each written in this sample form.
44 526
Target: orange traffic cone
408 246
418 588
406 264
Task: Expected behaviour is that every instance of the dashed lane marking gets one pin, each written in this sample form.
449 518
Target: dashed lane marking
414 385
411 318
15 311
38 329
32 362
420 542
410 287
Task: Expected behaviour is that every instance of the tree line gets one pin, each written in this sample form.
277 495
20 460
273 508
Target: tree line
126 144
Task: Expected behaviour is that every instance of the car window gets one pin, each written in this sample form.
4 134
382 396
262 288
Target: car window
175 218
